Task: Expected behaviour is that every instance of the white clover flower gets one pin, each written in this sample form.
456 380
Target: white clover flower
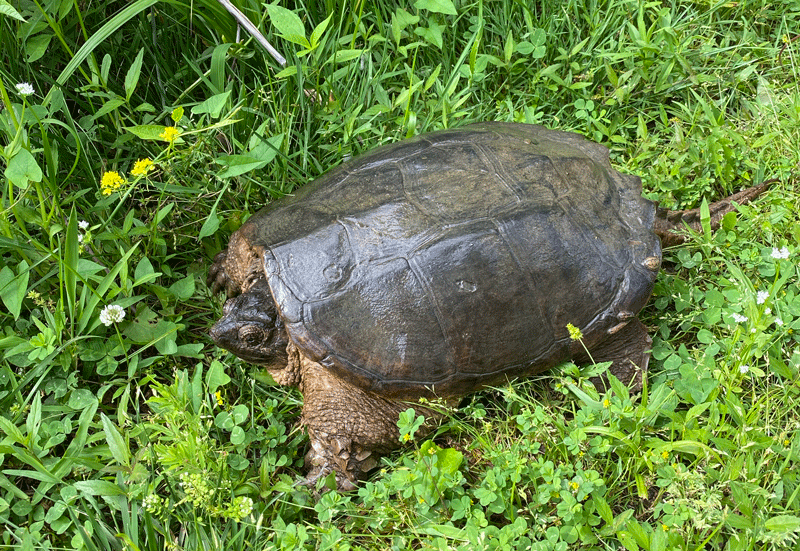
738 318
744 369
25 89
113 313
83 224
782 253
762 297
150 502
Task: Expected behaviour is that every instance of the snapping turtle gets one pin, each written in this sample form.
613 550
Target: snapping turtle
436 266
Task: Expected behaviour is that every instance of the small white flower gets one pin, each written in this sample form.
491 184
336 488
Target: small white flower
83 224
738 318
113 313
782 253
778 322
80 238
767 311
24 89
744 369
762 297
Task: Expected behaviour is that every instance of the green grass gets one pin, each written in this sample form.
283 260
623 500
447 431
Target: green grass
143 435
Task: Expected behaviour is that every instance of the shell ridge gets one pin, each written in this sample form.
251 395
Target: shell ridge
430 295
500 173
528 275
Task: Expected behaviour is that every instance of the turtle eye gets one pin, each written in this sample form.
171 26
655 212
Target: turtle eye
251 336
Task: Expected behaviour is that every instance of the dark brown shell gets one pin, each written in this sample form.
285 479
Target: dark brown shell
456 259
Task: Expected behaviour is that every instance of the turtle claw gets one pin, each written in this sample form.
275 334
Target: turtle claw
312 481
217 278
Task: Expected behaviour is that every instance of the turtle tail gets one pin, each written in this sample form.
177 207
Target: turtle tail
669 223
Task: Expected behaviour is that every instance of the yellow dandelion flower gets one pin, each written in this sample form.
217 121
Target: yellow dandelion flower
111 182
169 134
606 403
665 454
665 527
406 437
142 167
574 333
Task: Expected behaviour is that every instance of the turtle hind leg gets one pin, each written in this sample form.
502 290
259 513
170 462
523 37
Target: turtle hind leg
629 350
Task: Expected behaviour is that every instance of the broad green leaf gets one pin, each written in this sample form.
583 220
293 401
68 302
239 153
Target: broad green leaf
116 443
81 398
42 476
216 376
11 430
343 56
23 168
144 272
34 418
289 25
603 509
783 523
98 488
211 225
36 46
432 34
149 132
132 76
13 288
8 10
213 106
705 219
149 330
289 71
318 31
183 288
108 107
237 436
265 150
224 420
439 6
240 414
105 67
236 165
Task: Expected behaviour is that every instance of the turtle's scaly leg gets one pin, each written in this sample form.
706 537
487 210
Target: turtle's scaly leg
349 428
629 349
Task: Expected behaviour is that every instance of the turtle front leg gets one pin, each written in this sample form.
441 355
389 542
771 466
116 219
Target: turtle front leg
349 427
348 460
217 278
237 268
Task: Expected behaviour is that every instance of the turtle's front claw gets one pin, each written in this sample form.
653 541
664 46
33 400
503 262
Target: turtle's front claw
217 278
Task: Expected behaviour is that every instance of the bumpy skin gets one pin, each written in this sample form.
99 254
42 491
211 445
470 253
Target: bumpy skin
437 266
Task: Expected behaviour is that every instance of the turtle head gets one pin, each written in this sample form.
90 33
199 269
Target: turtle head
252 329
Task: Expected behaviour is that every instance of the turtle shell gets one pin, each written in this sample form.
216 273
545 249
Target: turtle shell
455 259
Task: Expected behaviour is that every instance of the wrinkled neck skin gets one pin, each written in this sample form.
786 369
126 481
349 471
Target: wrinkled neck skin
251 329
